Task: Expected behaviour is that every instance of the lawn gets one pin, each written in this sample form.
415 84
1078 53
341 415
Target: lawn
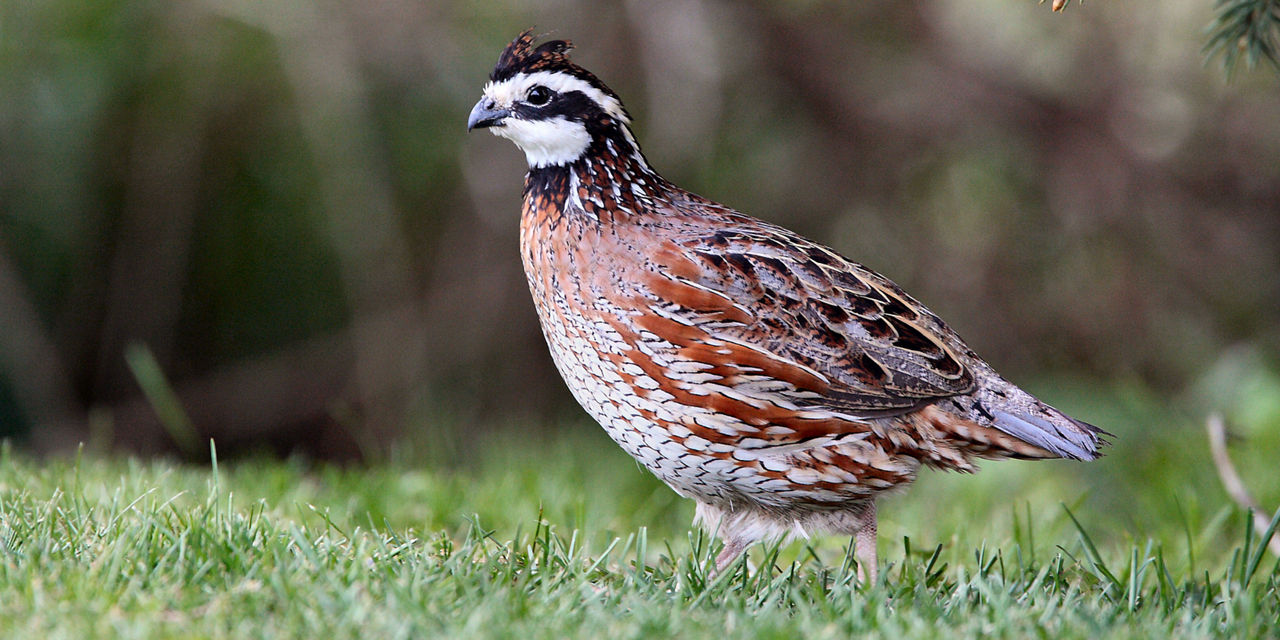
553 532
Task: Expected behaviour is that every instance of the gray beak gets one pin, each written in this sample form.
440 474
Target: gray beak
486 114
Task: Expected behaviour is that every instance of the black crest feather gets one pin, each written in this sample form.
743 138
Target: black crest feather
522 57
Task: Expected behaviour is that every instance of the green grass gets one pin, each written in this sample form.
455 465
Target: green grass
560 535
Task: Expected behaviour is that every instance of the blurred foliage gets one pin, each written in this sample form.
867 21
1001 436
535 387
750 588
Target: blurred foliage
280 202
1245 31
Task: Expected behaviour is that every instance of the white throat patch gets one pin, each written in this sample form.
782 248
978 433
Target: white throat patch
546 142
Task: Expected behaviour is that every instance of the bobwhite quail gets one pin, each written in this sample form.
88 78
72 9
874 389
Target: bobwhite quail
778 384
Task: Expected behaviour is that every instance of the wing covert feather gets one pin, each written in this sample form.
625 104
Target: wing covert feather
876 350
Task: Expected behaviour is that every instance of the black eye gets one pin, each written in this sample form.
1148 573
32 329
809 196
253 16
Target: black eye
538 96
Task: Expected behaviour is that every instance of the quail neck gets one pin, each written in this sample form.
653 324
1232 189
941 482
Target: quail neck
778 384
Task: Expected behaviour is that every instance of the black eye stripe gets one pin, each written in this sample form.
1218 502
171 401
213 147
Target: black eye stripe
571 105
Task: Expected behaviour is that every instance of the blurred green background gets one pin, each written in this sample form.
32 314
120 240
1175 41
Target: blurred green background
280 202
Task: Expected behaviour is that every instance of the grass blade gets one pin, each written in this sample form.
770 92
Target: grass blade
1256 554
163 399
1092 552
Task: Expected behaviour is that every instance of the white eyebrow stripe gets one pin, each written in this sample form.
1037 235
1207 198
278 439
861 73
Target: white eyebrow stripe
507 92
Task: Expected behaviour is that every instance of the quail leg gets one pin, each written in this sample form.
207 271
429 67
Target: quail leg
864 543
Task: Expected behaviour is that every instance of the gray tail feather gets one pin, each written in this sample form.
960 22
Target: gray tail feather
1003 405
1051 430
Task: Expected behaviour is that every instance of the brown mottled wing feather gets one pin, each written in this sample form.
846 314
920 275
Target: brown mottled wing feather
862 345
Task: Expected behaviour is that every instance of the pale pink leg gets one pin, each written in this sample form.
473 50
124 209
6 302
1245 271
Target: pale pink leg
864 545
